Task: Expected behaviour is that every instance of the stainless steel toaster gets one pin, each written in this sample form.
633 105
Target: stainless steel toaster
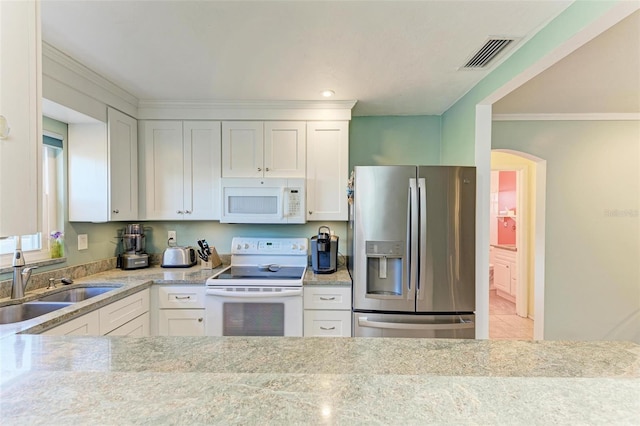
178 257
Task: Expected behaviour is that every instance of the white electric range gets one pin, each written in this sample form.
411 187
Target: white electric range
260 294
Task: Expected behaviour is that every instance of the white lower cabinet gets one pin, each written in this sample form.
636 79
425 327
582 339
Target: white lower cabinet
86 325
327 311
137 327
505 278
124 317
180 310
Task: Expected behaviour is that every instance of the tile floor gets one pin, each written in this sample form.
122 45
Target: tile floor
504 323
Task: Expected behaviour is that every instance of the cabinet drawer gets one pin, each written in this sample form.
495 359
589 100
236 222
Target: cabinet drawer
327 323
86 325
122 311
181 297
505 255
138 327
327 298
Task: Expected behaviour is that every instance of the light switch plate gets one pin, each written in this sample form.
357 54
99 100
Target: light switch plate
83 241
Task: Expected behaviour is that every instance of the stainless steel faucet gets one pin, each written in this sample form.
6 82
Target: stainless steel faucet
21 273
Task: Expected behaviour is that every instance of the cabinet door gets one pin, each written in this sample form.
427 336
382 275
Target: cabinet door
86 325
327 170
181 322
242 148
162 168
285 149
202 170
122 311
137 327
20 70
88 172
122 135
502 276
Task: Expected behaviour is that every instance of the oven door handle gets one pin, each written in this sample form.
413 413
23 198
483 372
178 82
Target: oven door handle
253 295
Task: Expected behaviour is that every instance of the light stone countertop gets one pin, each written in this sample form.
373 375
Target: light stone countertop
130 282
280 380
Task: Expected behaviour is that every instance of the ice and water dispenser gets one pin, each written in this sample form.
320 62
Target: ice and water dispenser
384 267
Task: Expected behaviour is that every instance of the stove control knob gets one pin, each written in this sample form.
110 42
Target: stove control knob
246 246
239 247
294 246
303 247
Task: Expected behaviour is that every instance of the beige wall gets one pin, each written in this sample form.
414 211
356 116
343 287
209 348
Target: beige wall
592 272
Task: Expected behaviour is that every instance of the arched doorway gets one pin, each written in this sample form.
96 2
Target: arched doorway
516 234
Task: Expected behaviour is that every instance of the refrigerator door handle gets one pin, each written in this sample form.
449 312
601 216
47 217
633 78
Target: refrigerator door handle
364 322
412 242
422 250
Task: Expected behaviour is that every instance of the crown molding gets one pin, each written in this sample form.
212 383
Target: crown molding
568 117
70 64
245 110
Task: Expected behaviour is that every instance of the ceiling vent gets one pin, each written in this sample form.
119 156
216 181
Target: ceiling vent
491 48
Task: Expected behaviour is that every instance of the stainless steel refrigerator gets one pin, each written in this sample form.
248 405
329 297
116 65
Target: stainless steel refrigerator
411 251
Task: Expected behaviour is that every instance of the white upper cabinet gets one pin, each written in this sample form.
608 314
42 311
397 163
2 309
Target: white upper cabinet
20 93
327 170
180 170
103 170
263 149
122 133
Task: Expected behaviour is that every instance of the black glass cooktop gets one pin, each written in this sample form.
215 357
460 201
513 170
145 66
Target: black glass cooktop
266 272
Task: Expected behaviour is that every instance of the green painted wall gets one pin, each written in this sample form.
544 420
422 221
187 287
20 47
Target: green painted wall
458 122
386 140
592 279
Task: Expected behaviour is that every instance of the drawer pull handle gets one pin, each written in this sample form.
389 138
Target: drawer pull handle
327 328
183 297
328 298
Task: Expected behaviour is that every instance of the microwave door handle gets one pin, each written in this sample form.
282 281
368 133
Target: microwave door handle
412 242
285 202
364 322
253 295
422 250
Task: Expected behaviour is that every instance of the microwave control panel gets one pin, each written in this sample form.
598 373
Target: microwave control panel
294 202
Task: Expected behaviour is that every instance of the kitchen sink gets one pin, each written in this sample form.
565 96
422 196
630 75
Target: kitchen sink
25 311
76 294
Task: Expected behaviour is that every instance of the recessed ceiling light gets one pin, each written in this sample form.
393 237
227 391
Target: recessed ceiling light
327 93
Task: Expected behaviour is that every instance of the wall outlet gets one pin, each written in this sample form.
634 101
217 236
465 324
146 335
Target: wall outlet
83 241
172 235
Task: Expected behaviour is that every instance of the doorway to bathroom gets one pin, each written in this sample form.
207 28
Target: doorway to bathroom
512 205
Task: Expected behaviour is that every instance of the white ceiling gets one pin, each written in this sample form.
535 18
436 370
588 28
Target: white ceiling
393 57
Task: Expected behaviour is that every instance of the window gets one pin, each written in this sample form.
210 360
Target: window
37 245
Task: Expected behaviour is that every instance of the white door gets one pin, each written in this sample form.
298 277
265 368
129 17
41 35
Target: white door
242 148
285 149
162 151
327 170
202 170
122 134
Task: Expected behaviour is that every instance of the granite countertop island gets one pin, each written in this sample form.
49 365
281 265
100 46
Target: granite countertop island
280 380
288 380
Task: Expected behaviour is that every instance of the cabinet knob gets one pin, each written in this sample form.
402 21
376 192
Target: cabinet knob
259 169
200 319
179 211
267 169
187 212
116 211
310 212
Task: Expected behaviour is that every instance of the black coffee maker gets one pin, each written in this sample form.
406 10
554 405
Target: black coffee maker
324 251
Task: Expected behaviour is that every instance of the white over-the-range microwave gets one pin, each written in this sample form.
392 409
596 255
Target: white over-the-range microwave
268 200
